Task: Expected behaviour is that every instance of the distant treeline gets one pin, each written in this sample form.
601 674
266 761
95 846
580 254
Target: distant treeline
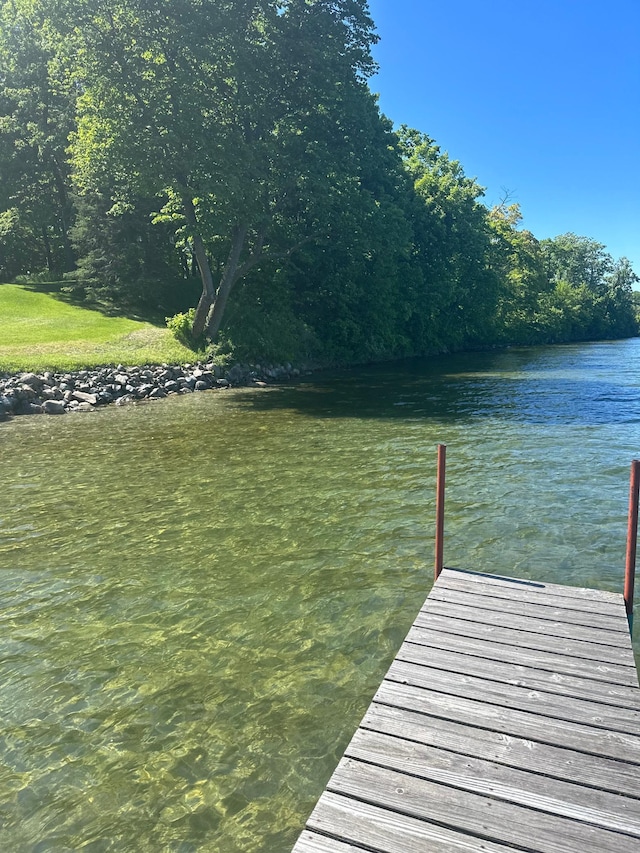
228 157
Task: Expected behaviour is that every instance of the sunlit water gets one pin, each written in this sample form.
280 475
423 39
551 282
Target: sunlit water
199 597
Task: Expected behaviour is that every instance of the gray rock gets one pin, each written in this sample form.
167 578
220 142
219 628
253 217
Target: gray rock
84 407
53 407
157 394
83 397
236 374
33 380
200 386
26 392
25 407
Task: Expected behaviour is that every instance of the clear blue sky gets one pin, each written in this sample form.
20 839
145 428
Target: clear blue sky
541 99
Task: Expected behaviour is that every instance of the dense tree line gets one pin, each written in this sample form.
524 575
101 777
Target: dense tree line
228 157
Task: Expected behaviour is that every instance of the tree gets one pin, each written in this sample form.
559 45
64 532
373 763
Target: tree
452 242
577 260
591 291
223 108
620 299
517 260
36 117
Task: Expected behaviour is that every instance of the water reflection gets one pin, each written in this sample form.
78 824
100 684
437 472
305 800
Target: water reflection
524 385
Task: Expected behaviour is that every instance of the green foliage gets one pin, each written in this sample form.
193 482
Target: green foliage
181 327
37 106
126 259
452 244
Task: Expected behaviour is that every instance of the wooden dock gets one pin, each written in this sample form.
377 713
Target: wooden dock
509 720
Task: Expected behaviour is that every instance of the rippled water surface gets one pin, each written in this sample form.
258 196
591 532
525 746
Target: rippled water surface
200 596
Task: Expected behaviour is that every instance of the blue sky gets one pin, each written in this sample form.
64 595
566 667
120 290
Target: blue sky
540 99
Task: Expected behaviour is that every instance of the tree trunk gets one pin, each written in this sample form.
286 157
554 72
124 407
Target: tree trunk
208 290
47 248
64 208
229 277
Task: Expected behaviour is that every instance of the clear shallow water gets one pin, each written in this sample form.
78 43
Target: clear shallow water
199 597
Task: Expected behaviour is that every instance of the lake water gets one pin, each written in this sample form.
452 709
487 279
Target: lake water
200 596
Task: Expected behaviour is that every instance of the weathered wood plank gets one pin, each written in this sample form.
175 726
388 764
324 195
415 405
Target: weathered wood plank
544 659
500 748
512 592
611 811
511 696
604 642
583 738
483 817
311 842
447 619
532 609
527 677
385 831
569 592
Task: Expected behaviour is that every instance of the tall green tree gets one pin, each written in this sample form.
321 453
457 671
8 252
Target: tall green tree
577 260
591 296
517 261
37 114
224 108
452 242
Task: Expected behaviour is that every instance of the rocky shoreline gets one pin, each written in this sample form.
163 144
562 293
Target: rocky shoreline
53 393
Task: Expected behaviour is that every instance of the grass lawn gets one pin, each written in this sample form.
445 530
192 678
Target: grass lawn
40 332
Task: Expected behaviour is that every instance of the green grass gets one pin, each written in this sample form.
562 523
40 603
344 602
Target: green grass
40 332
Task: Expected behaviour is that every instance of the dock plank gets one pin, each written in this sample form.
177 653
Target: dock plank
374 828
483 817
311 842
446 617
514 697
452 580
560 763
509 720
534 588
548 660
612 811
535 610
507 672
611 645
623 747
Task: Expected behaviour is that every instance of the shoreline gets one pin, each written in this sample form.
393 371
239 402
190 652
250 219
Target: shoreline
60 393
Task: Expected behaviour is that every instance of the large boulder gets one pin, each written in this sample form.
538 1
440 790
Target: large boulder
53 407
84 397
32 380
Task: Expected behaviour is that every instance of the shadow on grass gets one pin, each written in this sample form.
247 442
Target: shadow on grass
81 297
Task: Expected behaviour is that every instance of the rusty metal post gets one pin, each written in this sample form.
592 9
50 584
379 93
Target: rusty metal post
442 456
632 540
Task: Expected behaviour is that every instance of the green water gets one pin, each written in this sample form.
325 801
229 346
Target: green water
200 596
